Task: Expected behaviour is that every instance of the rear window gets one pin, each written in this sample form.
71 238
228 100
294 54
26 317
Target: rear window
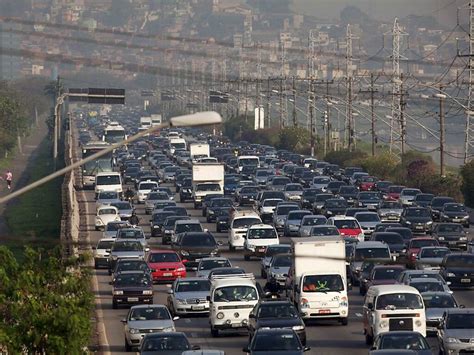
245 222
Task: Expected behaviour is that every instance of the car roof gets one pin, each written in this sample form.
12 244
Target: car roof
460 310
342 218
187 221
393 289
424 279
163 251
261 226
192 278
371 244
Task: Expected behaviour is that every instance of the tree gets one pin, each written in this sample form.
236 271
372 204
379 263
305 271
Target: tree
45 303
345 157
467 186
382 165
295 139
419 173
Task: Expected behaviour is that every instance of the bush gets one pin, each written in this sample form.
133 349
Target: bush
381 166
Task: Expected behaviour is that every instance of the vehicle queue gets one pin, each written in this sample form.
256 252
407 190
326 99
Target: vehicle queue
318 229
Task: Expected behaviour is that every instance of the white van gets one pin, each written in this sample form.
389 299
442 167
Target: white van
231 300
144 188
393 307
258 238
108 181
239 224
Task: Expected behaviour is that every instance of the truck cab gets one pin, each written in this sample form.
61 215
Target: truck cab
231 300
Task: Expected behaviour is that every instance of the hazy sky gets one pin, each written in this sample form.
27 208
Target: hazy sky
443 10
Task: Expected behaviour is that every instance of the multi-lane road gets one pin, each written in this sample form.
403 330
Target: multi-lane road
323 337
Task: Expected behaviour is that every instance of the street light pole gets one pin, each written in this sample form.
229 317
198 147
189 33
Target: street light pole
311 116
441 133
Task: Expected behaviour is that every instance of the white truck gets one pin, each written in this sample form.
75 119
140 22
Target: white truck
176 144
317 281
199 150
208 178
145 123
156 119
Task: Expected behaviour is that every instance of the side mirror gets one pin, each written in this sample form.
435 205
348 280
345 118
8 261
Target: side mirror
251 315
124 320
147 250
176 318
462 306
170 292
111 283
206 230
370 306
196 347
219 243
208 298
285 275
307 348
94 248
448 283
107 250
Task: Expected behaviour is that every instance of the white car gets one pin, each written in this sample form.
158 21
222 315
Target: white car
104 215
258 238
101 255
144 188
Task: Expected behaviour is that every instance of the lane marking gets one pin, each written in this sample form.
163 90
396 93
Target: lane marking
359 315
187 320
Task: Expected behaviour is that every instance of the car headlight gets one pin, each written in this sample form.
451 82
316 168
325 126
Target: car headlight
429 223
114 257
134 331
220 315
444 215
184 253
298 327
118 292
210 211
450 274
328 212
181 269
383 324
462 238
465 217
408 222
440 238
180 301
99 222
169 329
147 292
452 340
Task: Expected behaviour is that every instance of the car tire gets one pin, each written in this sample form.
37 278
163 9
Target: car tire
218 230
114 305
97 228
214 332
128 348
246 257
345 321
231 248
369 339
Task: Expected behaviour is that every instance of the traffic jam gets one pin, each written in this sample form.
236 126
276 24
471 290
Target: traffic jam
180 207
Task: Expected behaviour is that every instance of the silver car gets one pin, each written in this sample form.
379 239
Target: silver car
430 258
145 319
101 252
125 209
390 211
429 285
106 198
436 303
207 264
154 197
279 268
125 248
111 228
293 192
456 331
367 221
189 296
269 252
308 222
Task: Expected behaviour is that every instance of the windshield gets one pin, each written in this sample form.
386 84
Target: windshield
277 311
157 196
105 244
165 343
455 208
284 210
434 252
108 180
323 283
460 321
208 187
221 203
320 180
135 279
297 215
277 250
336 203
438 301
147 186
313 221
235 294
149 313
188 227
97 166
276 342
212 264
404 341
348 190
369 196
424 197
127 246
346 224
131 234
261 233
271 203
132 265
178 145
386 273
249 190
164 258
280 181
417 212
410 192
282 261
294 188
121 205
450 228
245 222
107 195
423 243
371 253
395 189
248 161
103 211
321 231
391 205
399 301
389 238
460 260
193 286
427 286
205 240
113 227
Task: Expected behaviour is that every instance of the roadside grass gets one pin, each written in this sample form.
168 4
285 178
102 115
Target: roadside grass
34 219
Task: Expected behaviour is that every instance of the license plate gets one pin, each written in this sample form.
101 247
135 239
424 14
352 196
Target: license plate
197 308
132 299
324 311
236 325
393 217
465 280
261 250
419 227
167 274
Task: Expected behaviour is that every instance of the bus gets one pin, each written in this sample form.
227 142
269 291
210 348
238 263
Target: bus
102 164
248 160
114 133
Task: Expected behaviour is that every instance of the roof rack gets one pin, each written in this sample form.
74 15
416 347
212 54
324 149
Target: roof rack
248 276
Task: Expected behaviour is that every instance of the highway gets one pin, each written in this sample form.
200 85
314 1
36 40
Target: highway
323 337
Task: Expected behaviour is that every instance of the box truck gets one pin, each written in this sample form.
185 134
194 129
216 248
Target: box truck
208 178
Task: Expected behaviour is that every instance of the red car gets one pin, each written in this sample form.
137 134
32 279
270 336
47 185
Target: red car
381 275
393 192
415 245
367 183
166 265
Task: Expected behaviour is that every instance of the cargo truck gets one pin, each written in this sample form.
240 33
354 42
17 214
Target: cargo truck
208 178
198 150
317 280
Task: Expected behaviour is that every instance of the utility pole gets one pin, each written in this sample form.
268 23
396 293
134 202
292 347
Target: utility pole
269 121
372 92
295 119
246 100
311 115
282 123
441 133
349 77
469 138
328 117
257 86
403 133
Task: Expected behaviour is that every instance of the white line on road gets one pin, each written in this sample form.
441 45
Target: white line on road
359 315
187 320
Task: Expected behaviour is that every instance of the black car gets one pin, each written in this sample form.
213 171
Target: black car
275 313
275 341
180 180
192 246
383 227
186 190
319 201
451 235
157 220
405 232
132 287
308 198
178 211
334 207
222 216
458 268
437 204
127 264
217 204
349 193
306 178
423 200
369 199
169 343
418 219
334 186
207 200
455 213
247 195
395 242
167 228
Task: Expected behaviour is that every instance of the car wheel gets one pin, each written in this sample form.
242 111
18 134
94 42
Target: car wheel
114 305
218 230
369 339
96 265
263 274
231 248
214 332
246 257
345 321
97 228
128 348
361 291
